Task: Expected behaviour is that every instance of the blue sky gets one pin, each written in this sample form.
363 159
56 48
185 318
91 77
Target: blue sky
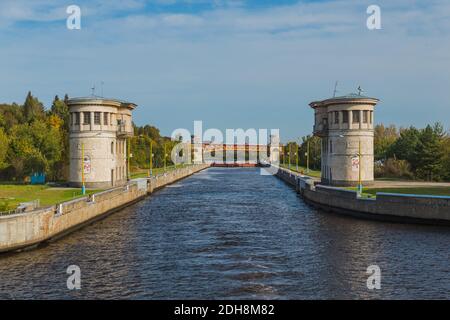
232 63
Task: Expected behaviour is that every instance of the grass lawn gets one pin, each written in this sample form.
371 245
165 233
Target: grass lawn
11 195
143 173
312 173
435 191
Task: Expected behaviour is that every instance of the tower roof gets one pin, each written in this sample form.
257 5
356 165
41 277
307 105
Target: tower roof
97 100
350 98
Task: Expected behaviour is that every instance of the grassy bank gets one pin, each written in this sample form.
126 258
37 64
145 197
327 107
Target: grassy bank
434 191
143 173
11 195
302 170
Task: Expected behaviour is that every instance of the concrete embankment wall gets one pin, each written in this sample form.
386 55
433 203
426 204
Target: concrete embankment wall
28 229
386 207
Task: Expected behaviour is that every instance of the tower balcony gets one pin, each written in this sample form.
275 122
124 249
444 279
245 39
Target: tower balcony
123 132
320 129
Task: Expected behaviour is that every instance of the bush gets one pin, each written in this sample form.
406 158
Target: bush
393 168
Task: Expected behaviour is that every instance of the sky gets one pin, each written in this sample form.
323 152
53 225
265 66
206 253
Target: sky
231 63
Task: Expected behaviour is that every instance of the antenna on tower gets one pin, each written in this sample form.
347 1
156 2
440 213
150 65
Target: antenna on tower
335 89
93 90
360 90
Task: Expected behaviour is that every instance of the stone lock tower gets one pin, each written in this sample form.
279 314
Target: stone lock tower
99 129
345 125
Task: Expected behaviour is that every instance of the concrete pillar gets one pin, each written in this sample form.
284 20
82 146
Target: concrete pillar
81 121
350 119
360 119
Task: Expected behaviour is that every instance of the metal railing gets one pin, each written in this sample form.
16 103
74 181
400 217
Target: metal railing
22 208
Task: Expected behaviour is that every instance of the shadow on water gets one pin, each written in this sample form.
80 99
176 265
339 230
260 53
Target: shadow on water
232 234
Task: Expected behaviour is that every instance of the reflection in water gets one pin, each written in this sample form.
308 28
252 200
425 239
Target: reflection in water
231 233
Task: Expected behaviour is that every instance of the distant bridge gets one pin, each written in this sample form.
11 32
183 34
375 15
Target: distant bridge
235 155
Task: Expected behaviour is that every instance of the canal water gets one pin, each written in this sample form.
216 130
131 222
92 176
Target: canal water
233 234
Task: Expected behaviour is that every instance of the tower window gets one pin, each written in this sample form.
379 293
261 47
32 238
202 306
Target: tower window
336 117
96 117
77 118
365 115
86 118
345 116
105 118
355 116
112 147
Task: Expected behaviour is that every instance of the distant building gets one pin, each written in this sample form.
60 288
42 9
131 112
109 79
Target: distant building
99 128
274 149
345 123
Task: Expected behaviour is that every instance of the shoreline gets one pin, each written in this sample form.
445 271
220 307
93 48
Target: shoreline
387 207
26 231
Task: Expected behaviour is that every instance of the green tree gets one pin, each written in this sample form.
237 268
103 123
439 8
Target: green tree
34 147
66 99
384 138
4 143
446 159
60 109
11 115
404 148
429 153
33 109
315 147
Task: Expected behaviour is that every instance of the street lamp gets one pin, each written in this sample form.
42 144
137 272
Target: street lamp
307 155
150 172
289 156
83 186
360 187
165 156
128 159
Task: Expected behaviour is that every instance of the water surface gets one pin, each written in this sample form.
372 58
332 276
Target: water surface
230 233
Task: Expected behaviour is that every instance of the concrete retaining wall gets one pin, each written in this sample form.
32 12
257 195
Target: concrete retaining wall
28 229
387 207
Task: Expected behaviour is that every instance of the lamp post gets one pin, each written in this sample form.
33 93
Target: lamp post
165 156
150 171
290 151
360 187
307 155
128 159
83 187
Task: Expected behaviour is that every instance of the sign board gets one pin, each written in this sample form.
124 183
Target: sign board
355 164
87 165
